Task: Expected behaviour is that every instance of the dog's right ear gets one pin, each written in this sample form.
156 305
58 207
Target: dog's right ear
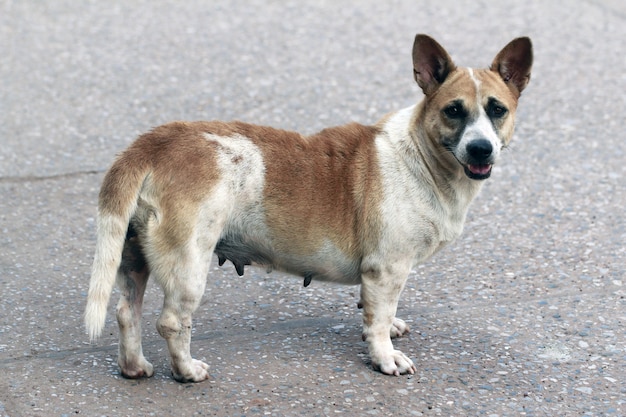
431 63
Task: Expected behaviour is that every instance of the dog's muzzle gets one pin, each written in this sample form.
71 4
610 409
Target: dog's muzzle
479 159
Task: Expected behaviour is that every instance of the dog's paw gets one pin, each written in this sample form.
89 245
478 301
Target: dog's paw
140 368
396 363
398 328
194 371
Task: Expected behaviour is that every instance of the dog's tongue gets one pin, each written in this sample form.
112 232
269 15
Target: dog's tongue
479 169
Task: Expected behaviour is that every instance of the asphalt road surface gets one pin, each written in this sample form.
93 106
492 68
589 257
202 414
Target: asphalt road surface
524 315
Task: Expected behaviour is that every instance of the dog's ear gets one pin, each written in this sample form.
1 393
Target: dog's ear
431 63
514 62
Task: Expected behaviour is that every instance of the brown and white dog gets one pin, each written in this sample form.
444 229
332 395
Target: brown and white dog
352 204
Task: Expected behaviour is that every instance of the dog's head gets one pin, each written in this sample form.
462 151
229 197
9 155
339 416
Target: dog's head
469 114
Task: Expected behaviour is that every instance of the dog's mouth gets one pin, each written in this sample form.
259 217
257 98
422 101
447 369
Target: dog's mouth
478 171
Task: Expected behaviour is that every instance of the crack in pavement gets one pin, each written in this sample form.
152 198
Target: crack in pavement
36 178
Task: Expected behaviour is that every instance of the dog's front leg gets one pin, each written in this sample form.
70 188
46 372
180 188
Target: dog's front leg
380 290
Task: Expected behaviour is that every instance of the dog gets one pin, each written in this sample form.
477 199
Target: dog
352 204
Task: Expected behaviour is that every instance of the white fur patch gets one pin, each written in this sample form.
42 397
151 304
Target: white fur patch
480 128
241 164
476 80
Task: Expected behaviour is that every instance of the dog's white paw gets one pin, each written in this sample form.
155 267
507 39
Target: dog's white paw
395 363
140 368
398 328
194 371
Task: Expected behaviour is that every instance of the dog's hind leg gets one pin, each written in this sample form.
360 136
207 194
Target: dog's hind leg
183 288
180 262
132 278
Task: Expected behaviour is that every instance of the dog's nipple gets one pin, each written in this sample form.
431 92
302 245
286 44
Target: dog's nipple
239 268
307 279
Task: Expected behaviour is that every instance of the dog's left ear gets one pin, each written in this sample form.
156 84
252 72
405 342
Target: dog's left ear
431 63
514 62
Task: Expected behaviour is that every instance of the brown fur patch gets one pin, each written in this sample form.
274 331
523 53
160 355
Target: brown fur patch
182 165
180 159
325 186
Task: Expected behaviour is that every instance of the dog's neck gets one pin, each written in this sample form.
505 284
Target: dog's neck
437 166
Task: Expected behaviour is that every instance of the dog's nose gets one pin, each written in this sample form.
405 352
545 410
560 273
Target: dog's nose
479 149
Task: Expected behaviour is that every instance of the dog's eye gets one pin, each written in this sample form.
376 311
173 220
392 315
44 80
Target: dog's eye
498 111
454 111
495 109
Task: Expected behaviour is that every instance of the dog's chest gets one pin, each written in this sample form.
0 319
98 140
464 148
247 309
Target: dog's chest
418 222
423 231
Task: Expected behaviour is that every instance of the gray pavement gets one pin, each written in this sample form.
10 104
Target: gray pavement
524 315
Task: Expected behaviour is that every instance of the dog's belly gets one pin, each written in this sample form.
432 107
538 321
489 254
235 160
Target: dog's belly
325 264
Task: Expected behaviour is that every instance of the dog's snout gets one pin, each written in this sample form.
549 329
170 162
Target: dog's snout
479 149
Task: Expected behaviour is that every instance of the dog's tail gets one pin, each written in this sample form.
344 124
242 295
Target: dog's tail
117 204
